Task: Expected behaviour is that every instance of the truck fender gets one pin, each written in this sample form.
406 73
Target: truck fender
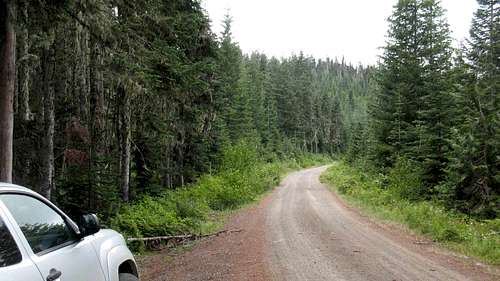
120 258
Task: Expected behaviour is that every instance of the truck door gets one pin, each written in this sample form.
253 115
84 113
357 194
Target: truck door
53 245
15 264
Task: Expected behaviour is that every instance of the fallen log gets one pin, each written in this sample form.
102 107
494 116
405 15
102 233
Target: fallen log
161 238
183 237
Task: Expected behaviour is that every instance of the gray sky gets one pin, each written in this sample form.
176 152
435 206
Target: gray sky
351 28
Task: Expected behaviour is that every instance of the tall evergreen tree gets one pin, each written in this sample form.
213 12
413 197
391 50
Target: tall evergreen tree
395 108
433 120
229 73
412 112
473 175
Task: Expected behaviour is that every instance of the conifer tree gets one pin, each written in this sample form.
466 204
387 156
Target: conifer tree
229 73
473 175
395 107
433 120
412 111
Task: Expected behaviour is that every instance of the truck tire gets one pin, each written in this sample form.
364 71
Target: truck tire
127 277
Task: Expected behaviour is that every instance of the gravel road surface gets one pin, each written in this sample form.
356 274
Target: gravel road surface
313 236
302 231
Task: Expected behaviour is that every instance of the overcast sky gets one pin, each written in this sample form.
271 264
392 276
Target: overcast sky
322 28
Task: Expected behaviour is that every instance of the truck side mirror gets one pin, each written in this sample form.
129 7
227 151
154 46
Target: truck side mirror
88 225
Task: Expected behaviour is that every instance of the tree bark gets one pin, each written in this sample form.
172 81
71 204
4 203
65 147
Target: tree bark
97 94
125 135
81 88
96 147
24 112
47 184
7 86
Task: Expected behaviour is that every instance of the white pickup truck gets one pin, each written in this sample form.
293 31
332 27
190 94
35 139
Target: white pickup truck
38 242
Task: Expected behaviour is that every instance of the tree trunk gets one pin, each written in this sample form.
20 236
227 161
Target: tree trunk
84 83
24 112
96 147
80 72
125 135
47 184
97 94
7 82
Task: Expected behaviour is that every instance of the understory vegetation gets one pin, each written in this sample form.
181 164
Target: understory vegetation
387 197
242 178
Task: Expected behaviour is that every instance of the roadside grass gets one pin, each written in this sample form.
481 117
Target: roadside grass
203 207
366 190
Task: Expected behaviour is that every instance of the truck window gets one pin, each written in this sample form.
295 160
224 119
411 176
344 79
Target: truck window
9 253
43 227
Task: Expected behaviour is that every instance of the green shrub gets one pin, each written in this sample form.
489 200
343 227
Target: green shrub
227 190
242 157
405 179
448 234
154 217
189 205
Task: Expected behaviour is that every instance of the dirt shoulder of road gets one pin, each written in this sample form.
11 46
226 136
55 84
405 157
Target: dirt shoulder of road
230 256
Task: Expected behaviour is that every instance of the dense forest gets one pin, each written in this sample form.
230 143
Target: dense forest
104 101
117 99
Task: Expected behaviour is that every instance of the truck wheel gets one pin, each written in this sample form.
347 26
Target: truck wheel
127 277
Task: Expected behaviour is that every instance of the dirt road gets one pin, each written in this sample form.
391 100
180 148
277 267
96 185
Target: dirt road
313 236
302 231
